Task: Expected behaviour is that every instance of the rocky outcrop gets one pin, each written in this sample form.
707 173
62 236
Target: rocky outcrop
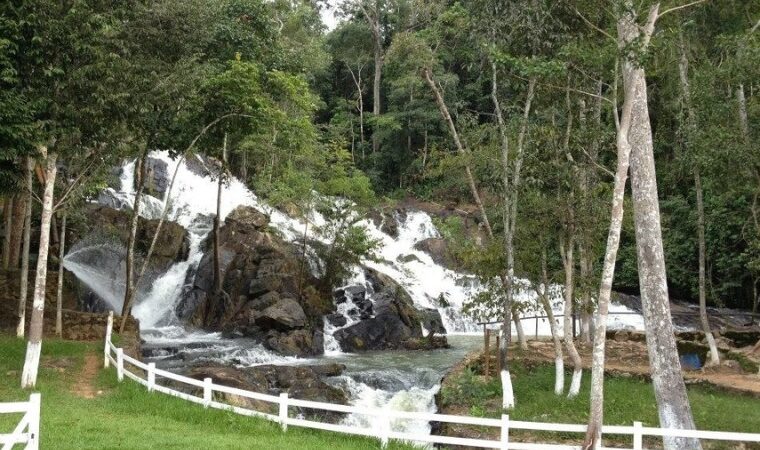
300 382
393 320
438 249
157 177
172 245
268 294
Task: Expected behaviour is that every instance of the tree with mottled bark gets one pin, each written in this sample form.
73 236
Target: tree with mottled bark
670 391
34 342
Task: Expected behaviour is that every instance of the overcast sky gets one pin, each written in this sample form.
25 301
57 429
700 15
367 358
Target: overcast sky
328 14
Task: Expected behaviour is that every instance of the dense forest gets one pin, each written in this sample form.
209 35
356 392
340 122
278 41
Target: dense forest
525 114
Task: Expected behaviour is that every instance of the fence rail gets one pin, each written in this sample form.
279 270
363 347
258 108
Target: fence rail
382 428
27 430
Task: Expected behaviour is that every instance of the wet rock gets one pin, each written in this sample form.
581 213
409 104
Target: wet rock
284 314
337 320
408 258
432 321
438 249
156 179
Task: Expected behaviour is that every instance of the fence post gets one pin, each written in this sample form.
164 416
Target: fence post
638 439
504 431
107 349
120 364
536 327
284 411
151 376
487 355
34 422
207 391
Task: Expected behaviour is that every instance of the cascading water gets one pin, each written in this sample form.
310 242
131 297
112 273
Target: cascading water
386 380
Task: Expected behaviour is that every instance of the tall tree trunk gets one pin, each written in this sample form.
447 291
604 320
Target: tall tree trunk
34 343
743 119
217 224
17 231
376 92
596 412
568 261
691 129
543 297
714 355
24 281
130 285
244 167
59 291
670 390
426 74
8 216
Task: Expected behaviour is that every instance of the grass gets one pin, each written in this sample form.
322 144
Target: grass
625 400
126 416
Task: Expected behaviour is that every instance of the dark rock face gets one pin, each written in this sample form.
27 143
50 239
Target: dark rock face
260 280
395 320
432 321
172 245
438 249
157 177
300 382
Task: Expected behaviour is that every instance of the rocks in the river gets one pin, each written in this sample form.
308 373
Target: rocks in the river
439 251
172 245
337 320
156 179
263 298
432 321
395 320
300 382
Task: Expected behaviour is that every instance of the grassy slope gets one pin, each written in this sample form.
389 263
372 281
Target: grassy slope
626 400
126 416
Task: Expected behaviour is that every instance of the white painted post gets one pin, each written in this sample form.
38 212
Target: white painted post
34 422
120 364
504 431
109 330
284 411
637 436
151 376
207 391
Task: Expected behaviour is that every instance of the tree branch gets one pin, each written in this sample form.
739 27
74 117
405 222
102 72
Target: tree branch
588 22
676 8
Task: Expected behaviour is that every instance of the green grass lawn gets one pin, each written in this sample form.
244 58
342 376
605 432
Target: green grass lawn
126 416
625 400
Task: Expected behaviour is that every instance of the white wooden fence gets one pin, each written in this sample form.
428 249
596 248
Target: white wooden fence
28 429
383 417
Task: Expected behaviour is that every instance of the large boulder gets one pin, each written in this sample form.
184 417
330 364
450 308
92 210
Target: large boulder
262 296
173 244
395 321
156 179
439 251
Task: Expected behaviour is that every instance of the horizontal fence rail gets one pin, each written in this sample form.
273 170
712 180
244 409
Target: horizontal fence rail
27 430
146 375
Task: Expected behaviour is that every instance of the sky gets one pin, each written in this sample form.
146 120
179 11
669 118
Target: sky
328 14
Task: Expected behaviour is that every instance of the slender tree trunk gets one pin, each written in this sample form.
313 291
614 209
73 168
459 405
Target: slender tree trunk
130 285
217 224
24 281
568 261
244 167
691 128
543 297
743 120
667 379
460 147
34 343
8 216
714 355
596 413
424 151
17 232
59 291
376 92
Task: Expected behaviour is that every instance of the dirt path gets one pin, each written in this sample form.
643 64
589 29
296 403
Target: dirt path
84 386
